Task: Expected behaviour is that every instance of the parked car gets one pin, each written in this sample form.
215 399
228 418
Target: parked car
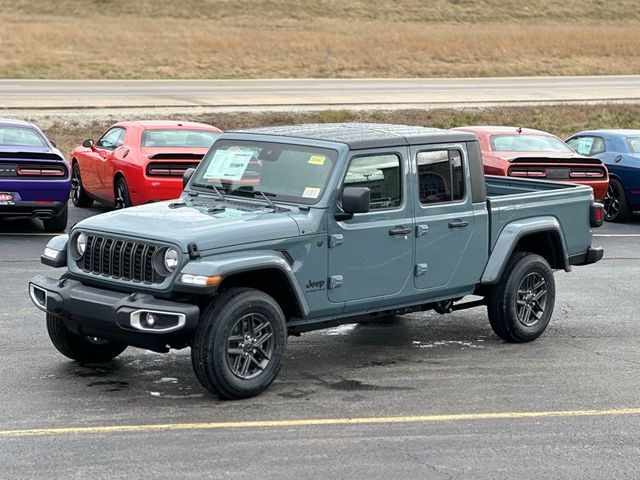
525 152
344 222
35 178
619 150
138 162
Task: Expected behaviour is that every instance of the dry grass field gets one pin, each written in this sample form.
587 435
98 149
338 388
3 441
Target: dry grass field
322 38
561 120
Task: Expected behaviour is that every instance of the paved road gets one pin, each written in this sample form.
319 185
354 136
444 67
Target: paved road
424 370
15 94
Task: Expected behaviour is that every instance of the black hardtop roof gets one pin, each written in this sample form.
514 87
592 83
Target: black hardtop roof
365 135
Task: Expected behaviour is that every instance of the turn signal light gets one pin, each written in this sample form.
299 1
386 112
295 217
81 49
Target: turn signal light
200 280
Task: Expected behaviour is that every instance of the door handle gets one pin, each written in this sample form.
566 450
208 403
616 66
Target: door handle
458 224
399 231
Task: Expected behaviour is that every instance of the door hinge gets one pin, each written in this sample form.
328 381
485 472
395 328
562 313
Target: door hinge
335 281
335 240
421 230
421 269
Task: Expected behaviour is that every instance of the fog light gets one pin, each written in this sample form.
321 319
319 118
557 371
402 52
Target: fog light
157 321
149 320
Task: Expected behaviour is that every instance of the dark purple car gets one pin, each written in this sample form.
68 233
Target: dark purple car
35 179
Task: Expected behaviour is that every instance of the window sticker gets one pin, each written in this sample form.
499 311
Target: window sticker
317 160
228 165
311 192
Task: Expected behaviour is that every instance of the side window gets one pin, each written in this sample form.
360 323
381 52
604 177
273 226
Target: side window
440 176
379 173
587 145
112 139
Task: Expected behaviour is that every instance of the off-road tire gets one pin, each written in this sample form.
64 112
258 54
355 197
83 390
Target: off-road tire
515 293
210 351
80 348
57 223
79 195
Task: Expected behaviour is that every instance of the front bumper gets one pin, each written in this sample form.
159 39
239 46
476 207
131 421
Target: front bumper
112 315
592 255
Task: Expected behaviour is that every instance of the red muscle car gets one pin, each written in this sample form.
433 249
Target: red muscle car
138 162
525 152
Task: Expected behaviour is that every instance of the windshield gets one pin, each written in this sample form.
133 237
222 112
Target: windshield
528 143
292 173
180 138
21 136
634 144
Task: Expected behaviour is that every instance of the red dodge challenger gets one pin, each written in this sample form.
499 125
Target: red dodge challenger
137 162
525 152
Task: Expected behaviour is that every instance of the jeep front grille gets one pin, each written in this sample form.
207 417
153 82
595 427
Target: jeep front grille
119 258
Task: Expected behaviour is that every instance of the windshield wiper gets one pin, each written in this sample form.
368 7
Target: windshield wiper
255 193
210 186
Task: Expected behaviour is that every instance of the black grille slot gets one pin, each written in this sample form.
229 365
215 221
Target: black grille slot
120 259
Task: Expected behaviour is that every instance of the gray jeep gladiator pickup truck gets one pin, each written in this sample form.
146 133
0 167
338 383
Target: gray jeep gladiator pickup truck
289 229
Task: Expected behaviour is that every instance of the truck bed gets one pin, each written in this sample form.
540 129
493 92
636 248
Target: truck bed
512 199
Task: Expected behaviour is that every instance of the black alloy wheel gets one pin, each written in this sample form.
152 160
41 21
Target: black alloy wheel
616 206
79 196
122 198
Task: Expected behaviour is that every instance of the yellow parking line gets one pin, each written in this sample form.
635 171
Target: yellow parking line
316 422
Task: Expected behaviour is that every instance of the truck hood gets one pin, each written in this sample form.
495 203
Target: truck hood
235 225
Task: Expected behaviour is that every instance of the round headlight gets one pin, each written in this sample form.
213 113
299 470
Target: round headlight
170 259
81 243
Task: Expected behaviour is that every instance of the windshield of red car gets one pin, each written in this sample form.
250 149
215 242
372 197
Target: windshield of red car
634 144
179 138
528 143
291 173
20 136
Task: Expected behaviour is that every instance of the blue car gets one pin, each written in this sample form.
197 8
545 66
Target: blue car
619 150
35 179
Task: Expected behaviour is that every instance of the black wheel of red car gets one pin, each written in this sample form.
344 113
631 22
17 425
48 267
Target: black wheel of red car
122 198
79 347
521 304
58 223
616 206
79 196
240 343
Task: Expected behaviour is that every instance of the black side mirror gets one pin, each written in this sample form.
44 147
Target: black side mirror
88 143
186 176
354 200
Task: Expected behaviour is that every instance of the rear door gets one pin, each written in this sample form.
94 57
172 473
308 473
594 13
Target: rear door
444 219
370 255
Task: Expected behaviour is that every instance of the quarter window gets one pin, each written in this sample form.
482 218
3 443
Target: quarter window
379 173
587 145
440 176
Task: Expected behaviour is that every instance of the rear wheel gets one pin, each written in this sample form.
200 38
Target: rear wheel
57 223
79 195
78 347
521 304
122 198
616 206
240 343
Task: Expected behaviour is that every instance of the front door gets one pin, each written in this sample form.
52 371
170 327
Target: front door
104 158
371 254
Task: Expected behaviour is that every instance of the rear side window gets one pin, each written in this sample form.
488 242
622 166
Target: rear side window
587 145
440 176
381 175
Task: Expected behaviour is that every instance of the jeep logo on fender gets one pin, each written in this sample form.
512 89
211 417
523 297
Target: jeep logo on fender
314 285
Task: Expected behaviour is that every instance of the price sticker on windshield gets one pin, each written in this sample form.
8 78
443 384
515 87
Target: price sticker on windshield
228 165
317 160
311 192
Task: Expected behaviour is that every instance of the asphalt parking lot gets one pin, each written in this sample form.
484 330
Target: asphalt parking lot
421 396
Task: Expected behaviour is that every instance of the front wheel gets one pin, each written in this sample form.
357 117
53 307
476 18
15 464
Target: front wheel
521 304
240 343
78 347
